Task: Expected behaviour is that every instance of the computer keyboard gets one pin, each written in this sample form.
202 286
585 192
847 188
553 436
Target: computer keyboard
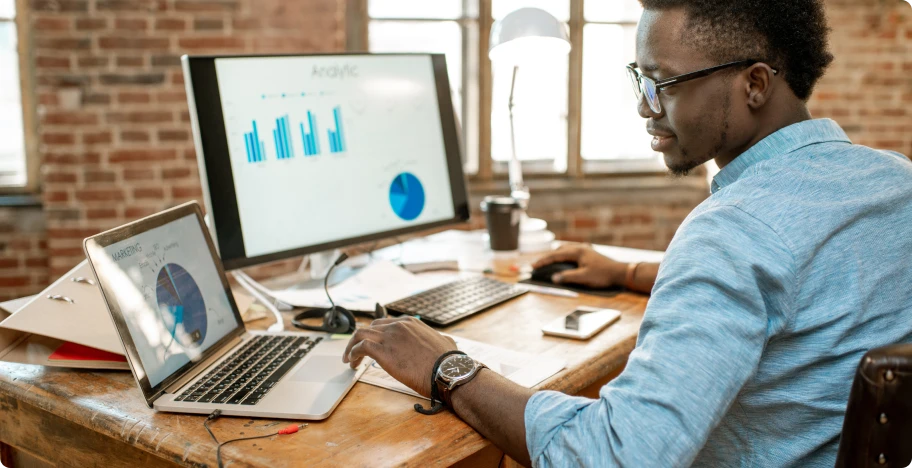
248 375
456 300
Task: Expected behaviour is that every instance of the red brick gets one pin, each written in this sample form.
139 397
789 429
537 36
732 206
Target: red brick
130 24
36 262
130 61
136 212
585 223
94 176
176 173
210 43
142 43
51 24
63 43
195 6
139 174
8 263
99 195
69 118
56 196
101 213
92 62
171 97
91 24
97 138
14 281
149 156
186 192
138 97
144 117
134 136
154 193
173 135
49 138
66 252
60 177
170 24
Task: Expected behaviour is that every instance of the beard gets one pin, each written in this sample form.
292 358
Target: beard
688 162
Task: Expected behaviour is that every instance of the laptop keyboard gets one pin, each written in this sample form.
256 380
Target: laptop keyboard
248 375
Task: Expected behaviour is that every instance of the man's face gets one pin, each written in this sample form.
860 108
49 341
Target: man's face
701 119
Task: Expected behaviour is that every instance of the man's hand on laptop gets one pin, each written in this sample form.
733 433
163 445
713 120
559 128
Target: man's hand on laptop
594 269
404 347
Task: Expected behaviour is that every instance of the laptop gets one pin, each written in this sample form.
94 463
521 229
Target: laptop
186 344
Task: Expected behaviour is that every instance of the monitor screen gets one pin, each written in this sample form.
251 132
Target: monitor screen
324 151
169 294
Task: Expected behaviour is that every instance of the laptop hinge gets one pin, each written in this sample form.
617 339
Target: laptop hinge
195 371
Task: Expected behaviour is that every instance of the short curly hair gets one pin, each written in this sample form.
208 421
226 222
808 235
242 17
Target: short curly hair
790 35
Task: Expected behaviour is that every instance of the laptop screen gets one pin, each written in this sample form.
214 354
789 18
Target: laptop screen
169 293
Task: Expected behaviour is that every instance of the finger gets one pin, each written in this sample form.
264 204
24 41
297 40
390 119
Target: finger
577 276
363 349
563 254
360 335
389 320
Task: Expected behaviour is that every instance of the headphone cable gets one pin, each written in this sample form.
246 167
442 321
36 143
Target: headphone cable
342 258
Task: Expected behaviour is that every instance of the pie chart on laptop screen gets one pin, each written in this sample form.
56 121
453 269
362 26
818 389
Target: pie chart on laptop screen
181 305
406 196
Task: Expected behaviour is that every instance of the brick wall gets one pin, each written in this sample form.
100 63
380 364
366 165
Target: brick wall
113 118
116 145
868 89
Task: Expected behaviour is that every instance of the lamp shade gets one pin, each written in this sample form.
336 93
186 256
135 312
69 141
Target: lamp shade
528 35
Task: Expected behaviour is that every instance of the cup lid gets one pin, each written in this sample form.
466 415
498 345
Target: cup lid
499 202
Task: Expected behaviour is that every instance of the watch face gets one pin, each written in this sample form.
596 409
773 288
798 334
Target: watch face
457 366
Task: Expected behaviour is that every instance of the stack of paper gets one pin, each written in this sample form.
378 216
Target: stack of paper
524 369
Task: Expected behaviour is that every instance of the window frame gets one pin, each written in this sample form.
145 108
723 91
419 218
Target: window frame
29 111
577 168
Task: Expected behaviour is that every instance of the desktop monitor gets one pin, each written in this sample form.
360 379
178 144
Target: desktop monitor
304 153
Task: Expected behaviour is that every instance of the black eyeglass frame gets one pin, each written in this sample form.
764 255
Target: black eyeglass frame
675 80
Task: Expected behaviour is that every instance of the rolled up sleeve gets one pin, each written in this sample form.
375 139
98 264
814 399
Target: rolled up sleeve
726 284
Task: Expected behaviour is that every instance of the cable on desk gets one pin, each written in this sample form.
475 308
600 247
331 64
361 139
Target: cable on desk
218 450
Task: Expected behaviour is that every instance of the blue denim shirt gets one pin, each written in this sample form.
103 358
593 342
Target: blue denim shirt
770 293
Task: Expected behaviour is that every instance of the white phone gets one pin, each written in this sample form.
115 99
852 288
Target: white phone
583 323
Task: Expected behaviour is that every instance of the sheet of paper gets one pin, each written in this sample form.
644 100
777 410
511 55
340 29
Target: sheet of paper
380 281
524 369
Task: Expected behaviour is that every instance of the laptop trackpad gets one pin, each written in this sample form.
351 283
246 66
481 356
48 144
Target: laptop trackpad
324 369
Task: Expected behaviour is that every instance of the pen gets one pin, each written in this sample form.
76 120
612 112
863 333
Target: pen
550 291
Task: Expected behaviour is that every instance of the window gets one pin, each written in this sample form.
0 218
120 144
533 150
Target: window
12 136
574 116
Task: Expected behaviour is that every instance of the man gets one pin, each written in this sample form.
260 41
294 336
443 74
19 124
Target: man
771 290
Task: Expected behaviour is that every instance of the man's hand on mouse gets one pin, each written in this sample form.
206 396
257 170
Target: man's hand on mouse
595 270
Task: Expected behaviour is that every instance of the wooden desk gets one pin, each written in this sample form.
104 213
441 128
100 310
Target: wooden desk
99 418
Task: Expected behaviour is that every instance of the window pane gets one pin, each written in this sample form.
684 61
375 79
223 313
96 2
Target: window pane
611 126
614 11
540 112
559 8
444 37
431 9
7 8
12 144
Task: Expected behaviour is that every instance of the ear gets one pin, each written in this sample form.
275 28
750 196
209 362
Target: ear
758 85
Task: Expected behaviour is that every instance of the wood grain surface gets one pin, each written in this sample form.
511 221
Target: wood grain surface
99 418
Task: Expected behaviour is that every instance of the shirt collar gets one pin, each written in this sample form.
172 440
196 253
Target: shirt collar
784 141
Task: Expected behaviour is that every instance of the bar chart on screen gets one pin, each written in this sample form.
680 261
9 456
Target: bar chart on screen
298 132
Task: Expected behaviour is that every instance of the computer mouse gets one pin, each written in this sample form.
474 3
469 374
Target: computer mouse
545 273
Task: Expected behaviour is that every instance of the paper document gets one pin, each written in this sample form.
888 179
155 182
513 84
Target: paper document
379 282
524 369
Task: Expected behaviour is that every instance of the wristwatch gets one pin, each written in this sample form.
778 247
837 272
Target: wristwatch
455 370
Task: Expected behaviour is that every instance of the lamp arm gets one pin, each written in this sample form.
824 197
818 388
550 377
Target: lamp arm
518 188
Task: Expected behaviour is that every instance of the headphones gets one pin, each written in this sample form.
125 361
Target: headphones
336 319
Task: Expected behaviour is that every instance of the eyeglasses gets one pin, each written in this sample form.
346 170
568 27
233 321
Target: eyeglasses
645 86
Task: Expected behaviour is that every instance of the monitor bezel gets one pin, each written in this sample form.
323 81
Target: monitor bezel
218 180
127 231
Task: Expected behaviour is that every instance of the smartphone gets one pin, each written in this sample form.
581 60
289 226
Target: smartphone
583 323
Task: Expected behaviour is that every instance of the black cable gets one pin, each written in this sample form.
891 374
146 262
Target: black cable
218 449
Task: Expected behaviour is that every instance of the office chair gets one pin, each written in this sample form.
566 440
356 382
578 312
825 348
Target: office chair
877 431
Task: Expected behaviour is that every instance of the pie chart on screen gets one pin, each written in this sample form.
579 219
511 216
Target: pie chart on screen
406 196
181 305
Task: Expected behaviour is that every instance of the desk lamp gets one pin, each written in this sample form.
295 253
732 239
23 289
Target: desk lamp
527 35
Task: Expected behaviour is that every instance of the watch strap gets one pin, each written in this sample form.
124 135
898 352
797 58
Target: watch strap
436 402
446 394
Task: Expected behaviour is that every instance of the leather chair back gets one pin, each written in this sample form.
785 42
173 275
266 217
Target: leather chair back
877 431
